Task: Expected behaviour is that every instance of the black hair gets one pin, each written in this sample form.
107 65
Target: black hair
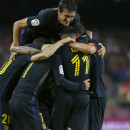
41 40
68 30
80 29
69 5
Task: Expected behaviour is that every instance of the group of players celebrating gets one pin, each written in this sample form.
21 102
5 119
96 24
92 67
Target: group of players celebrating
54 77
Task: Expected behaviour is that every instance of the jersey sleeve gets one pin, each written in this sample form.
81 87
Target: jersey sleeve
95 44
41 19
60 80
92 42
83 39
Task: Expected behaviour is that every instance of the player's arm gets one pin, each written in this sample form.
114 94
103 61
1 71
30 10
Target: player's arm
24 50
85 48
90 33
61 81
18 25
49 51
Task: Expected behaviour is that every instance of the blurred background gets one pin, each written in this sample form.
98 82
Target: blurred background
110 23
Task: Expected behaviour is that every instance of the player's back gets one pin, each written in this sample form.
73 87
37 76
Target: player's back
76 64
34 73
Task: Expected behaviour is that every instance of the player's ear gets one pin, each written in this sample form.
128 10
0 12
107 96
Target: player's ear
58 10
77 35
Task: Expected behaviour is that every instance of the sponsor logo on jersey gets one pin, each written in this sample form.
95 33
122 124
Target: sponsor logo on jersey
61 69
35 22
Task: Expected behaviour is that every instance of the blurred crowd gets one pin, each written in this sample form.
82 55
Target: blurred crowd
117 70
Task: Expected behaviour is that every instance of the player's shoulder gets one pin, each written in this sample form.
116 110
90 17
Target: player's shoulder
83 39
94 42
48 11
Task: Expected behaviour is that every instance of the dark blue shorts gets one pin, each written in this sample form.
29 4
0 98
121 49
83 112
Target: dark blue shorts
97 108
26 114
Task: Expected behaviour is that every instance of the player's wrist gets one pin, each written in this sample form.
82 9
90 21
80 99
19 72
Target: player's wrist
83 86
15 43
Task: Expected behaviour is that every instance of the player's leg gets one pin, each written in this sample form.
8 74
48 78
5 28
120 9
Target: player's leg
46 112
4 115
46 105
46 101
26 115
78 118
17 123
96 113
61 110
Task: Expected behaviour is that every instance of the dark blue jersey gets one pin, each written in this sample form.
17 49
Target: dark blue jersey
72 65
76 64
44 24
10 72
97 88
84 39
33 74
60 79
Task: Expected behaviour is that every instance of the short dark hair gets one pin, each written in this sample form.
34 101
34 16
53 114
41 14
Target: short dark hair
41 40
68 30
69 5
80 28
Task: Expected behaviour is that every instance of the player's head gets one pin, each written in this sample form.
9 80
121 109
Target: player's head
80 29
41 40
66 11
68 31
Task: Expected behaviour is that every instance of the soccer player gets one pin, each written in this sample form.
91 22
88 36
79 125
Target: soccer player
49 22
98 94
71 103
98 97
9 75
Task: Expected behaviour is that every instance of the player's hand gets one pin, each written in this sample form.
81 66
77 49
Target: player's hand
101 51
67 40
90 33
13 55
87 84
68 128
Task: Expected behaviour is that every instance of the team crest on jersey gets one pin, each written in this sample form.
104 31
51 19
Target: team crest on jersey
61 69
35 22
